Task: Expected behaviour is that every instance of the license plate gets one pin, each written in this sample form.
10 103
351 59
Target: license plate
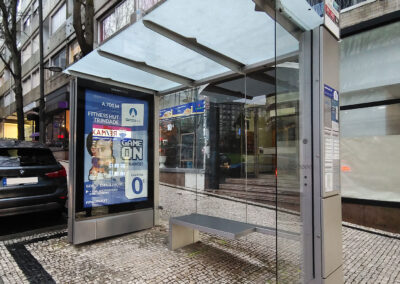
19 181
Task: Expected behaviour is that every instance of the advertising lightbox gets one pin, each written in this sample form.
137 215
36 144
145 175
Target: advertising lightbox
116 147
111 161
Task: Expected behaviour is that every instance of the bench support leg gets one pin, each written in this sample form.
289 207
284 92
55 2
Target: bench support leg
180 236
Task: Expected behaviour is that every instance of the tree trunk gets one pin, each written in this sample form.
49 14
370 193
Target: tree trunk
85 35
20 109
19 101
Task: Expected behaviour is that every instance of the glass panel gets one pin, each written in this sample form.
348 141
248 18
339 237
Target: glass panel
163 53
371 121
58 18
251 35
120 73
361 156
181 167
369 141
382 93
286 116
16 157
217 159
226 138
364 61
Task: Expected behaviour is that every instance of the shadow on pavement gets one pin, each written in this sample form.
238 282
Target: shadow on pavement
33 221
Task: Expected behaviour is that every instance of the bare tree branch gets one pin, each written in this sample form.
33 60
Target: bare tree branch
8 66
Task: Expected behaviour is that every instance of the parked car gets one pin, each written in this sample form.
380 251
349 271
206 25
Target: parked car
31 179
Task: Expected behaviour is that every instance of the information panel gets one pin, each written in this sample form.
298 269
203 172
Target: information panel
115 154
331 139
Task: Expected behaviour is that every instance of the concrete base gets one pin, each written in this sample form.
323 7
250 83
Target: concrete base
180 236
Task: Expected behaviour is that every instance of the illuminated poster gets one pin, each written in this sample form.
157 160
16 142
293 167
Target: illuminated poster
116 141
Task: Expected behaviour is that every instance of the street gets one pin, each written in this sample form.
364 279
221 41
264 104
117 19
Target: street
30 222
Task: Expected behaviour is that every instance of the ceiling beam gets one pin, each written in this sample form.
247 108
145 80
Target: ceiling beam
147 68
192 44
226 92
268 64
112 82
268 6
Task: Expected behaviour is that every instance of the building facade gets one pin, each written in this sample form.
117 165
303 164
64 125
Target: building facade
61 49
370 113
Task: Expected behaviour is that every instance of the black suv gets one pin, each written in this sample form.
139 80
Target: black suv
31 179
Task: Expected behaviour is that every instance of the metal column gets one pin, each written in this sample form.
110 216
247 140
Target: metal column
327 212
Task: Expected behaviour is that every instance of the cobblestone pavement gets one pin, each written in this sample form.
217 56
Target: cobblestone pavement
370 256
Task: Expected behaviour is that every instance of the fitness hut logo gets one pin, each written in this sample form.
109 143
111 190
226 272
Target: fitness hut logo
132 114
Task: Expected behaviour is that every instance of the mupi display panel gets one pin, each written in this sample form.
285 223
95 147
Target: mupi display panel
114 142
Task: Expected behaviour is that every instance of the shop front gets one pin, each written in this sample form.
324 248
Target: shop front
57 122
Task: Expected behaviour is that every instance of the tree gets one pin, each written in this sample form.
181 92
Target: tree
8 33
84 31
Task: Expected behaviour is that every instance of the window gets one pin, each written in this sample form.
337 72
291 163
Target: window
9 98
26 53
17 157
27 23
145 5
58 18
35 44
370 114
2 79
119 18
26 86
57 130
35 78
348 3
74 52
59 59
35 8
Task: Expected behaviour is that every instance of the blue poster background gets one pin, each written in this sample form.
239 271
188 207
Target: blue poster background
116 149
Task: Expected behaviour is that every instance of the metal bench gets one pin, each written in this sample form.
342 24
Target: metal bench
184 230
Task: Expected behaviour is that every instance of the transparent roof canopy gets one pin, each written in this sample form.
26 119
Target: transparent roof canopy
183 42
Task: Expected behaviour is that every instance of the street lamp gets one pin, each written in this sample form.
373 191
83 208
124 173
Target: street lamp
41 74
53 68
42 129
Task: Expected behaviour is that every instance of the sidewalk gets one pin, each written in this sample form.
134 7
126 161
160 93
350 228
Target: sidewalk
370 256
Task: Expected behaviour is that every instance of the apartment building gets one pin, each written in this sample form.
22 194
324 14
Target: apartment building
61 49
370 112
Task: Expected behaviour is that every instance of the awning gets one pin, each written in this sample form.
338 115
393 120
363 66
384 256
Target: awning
187 43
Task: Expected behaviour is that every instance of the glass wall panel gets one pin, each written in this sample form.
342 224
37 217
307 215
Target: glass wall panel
218 159
181 164
286 117
370 127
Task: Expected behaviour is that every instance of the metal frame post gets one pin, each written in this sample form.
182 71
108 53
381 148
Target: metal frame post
327 201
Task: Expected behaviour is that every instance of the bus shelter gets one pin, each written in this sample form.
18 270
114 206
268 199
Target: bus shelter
226 100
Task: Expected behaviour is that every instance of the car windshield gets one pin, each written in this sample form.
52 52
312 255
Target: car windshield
16 157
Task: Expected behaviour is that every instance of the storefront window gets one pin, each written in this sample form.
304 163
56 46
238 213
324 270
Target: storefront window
57 131
370 132
181 130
